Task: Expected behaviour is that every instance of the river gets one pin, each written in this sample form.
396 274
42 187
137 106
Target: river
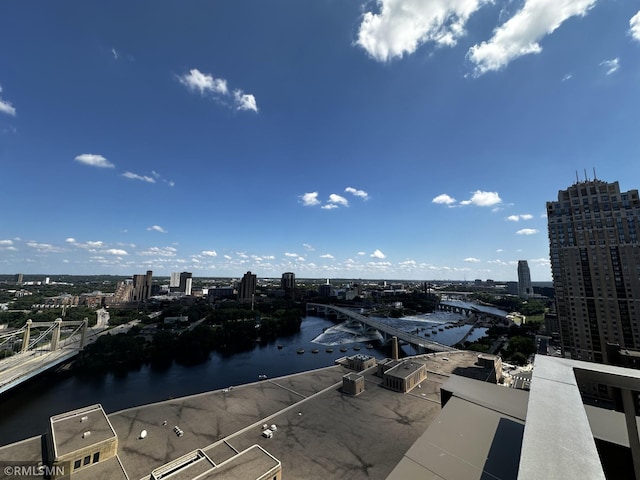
25 411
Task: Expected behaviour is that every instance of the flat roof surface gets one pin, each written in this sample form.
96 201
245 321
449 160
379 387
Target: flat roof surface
248 465
405 369
70 429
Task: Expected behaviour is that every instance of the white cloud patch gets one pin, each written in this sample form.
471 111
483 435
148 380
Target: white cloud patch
472 260
378 254
483 199
135 176
444 199
329 206
216 88
245 101
517 218
114 52
568 76
156 228
634 26
209 253
44 247
310 199
527 231
115 251
160 251
336 199
308 247
6 107
94 160
358 193
401 26
327 255
611 66
520 34
289 254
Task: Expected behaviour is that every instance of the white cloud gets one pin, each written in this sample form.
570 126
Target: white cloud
401 26
44 247
4 243
327 255
361 253
520 34
289 254
310 199
634 25
203 82
527 231
358 193
517 218
115 251
329 206
483 199
70 240
135 176
6 107
568 76
378 254
156 228
94 160
160 251
338 200
308 247
209 253
115 54
244 101
611 66
472 260
443 198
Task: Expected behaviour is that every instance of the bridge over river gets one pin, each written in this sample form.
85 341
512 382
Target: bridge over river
420 343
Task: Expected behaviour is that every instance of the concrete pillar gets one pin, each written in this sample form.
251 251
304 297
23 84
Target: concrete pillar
632 428
83 334
27 336
394 348
55 335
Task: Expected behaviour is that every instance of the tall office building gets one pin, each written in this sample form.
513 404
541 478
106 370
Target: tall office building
595 262
142 287
186 282
247 286
525 290
174 280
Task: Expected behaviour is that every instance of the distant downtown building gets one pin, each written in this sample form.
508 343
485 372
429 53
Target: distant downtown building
595 263
247 286
142 287
181 282
524 280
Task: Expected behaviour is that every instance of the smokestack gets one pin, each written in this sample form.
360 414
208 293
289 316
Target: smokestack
394 348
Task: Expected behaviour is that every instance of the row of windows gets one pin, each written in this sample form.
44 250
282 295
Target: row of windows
86 461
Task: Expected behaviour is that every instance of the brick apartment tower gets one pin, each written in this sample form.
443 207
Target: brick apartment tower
595 263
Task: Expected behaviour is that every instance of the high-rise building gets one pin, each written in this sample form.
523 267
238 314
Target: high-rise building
186 281
174 281
19 278
524 280
142 287
288 280
595 262
247 286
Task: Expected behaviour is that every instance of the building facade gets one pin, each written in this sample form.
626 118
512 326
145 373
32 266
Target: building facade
142 287
247 286
595 263
525 290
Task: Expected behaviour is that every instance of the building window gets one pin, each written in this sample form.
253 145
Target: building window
96 457
77 464
87 460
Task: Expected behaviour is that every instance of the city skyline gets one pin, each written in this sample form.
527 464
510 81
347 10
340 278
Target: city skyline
390 139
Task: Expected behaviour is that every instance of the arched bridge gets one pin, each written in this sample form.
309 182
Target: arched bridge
420 343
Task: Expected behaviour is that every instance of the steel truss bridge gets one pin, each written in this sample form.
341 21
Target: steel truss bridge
37 347
421 344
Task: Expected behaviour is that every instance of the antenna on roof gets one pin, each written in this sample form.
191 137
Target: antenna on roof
577 179
586 179
594 174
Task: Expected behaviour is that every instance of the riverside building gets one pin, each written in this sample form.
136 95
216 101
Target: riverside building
595 263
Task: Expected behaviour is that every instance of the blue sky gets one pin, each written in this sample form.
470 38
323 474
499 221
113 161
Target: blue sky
397 139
